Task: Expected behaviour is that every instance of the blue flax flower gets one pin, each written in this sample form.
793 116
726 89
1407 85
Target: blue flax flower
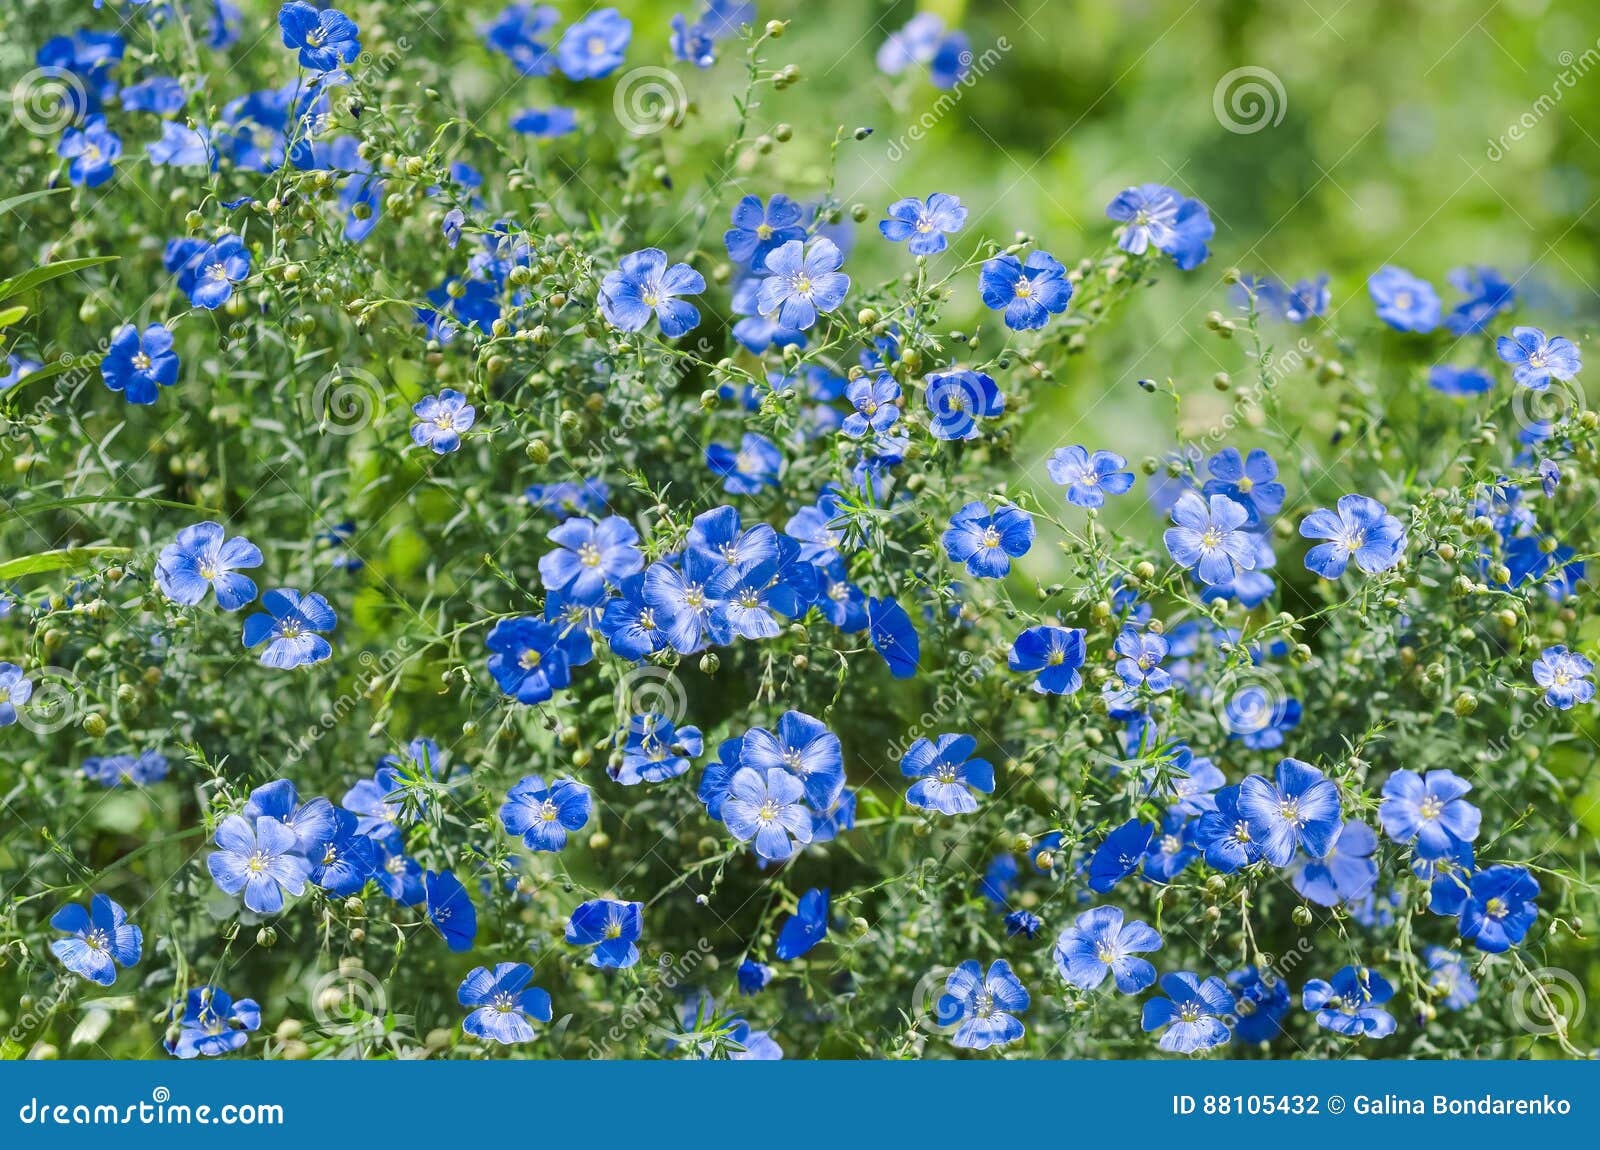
1346 874
1029 293
925 225
1192 1011
746 471
1251 482
506 1005
643 285
894 637
1089 478
803 746
1536 359
806 927
1102 944
516 33
1208 537
983 1007
212 273
211 1023
1155 216
1459 380
1142 653
1362 529
100 939
1056 653
987 542
1301 809
803 280
441 419
543 816
1350 1003
595 46
1261 999
1429 810
1498 907
957 400
876 400
325 39
527 658
591 556
767 807
202 560
947 775
758 231
1488 294
450 910
655 750
610 926
93 150
292 622
1120 854
1404 302
140 365
1564 675
263 861
1451 978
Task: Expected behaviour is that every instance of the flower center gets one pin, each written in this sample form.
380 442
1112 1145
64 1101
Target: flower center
1496 908
991 537
589 555
1191 1012
258 863
217 272
1430 807
141 362
530 660
504 1003
1024 289
802 284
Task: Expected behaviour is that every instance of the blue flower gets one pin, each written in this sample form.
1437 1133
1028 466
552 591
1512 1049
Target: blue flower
1056 653
100 939
1349 1003
1172 850
1029 293
946 774
450 910
1346 874
805 748
202 559
1142 653
515 34
1488 294
758 231
746 471
753 976
894 637
629 623
957 400
1258 719
326 39
1564 675
441 419
292 621
987 542
1459 380
506 1004
595 46
1301 810
1192 1012
543 815
643 285
1536 359
1155 216
802 281
1089 478
1305 299
1024 923
1261 999
1429 810
138 365
983 1007
527 658
1209 538
341 857
264 861
1225 834
400 877
611 927
1120 854
590 557
925 225
1361 527
655 750
806 927
765 806
547 124
114 770
212 1023
1450 977
1403 301
876 400
93 150
1498 907
690 604
1101 943
1250 482
214 270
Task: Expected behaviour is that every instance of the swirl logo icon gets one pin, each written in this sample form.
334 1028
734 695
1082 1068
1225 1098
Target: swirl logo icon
1248 99
649 100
